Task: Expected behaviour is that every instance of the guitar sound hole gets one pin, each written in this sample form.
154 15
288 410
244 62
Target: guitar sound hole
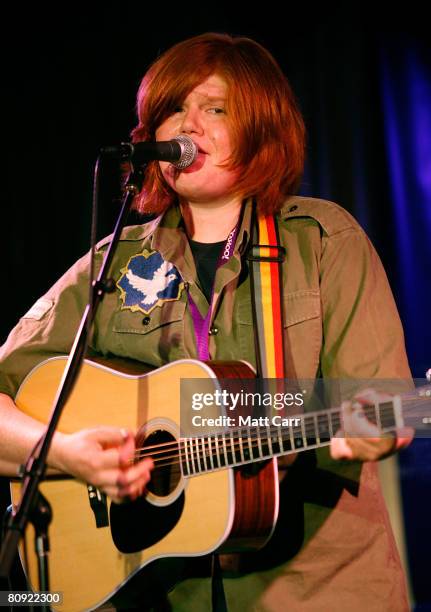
141 523
163 448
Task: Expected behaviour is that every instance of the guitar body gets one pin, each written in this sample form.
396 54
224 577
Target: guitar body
227 509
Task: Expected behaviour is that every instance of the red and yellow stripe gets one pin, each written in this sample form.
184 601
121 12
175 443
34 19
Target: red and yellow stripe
269 315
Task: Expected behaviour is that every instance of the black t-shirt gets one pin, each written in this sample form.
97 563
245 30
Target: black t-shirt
206 256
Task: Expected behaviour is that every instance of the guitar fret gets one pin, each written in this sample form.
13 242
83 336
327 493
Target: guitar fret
264 441
397 409
377 414
193 456
236 450
369 412
192 459
210 460
241 448
223 455
275 443
198 459
184 459
231 445
250 446
330 427
316 429
216 440
217 455
201 466
269 441
309 427
335 422
389 418
259 444
304 437
222 447
292 438
243 433
228 451
280 440
323 426
205 455
287 441
210 452
297 432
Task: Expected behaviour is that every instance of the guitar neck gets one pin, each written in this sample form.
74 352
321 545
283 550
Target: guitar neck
261 438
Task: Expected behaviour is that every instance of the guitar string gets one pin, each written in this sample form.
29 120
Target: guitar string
163 461
201 454
309 428
230 449
254 440
369 411
203 457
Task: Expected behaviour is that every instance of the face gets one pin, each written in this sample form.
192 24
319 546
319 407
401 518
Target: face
202 116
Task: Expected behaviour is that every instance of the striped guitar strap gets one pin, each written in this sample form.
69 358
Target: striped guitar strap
265 257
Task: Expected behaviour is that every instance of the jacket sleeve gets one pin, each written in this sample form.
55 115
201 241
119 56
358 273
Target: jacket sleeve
363 336
47 329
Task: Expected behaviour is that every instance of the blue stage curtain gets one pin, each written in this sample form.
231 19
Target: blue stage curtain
406 103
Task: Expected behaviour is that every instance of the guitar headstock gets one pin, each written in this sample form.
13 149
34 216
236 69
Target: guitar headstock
421 409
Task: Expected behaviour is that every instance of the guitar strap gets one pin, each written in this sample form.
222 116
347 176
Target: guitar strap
218 597
265 256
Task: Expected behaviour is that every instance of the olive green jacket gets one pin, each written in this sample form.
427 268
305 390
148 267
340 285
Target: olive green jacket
334 548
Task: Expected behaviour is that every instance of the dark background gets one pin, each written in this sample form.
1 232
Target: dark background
362 74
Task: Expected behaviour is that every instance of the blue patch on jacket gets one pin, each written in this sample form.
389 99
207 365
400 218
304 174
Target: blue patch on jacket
149 281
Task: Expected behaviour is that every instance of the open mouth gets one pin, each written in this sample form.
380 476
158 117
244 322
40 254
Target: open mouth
198 163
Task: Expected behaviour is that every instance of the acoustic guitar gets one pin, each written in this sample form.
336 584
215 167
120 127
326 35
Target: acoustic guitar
203 495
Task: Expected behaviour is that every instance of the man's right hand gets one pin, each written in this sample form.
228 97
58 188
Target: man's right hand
103 457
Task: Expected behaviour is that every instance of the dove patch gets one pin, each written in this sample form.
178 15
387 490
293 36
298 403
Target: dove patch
148 281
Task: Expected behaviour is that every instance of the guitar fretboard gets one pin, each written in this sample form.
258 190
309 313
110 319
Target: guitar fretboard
241 445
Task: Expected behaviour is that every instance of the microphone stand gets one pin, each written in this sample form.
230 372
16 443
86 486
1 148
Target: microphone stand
33 506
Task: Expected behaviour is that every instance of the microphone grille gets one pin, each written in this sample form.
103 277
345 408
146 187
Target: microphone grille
189 152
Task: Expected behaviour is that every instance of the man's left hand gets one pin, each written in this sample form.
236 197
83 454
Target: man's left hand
361 440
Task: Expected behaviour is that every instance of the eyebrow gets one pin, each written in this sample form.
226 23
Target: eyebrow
213 99
217 100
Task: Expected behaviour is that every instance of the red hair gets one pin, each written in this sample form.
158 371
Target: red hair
267 129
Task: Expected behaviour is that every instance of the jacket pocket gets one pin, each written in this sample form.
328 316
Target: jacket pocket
301 306
302 326
298 306
128 322
155 338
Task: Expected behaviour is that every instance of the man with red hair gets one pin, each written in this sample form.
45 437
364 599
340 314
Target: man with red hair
332 547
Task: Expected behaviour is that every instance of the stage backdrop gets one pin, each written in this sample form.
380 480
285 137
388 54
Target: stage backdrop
363 82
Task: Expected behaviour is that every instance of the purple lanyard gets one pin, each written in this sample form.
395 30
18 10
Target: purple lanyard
202 324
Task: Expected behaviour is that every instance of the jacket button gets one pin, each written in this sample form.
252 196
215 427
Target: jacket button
146 320
293 208
213 331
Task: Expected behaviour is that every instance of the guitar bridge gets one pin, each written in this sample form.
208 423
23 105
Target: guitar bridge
99 506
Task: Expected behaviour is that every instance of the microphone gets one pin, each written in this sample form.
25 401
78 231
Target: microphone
181 151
